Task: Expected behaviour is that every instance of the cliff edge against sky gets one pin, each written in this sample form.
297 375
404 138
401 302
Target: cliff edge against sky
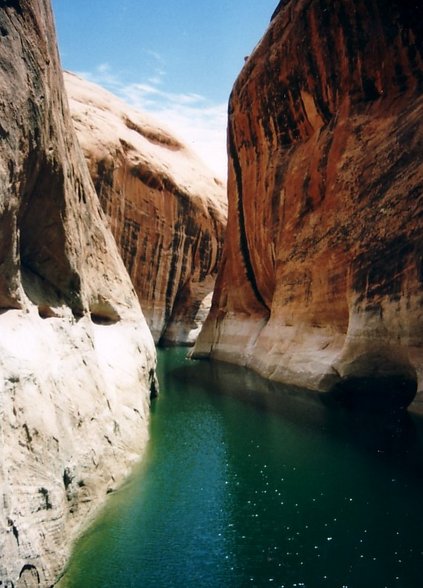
321 280
76 357
166 210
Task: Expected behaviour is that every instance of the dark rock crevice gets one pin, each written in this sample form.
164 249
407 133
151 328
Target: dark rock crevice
326 202
244 247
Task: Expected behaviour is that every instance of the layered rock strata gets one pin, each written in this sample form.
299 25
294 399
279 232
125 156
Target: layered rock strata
166 210
321 280
76 356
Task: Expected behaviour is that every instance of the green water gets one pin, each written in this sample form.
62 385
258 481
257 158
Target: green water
272 490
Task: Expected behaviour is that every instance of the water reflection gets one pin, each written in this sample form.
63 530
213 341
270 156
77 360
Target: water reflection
396 434
276 489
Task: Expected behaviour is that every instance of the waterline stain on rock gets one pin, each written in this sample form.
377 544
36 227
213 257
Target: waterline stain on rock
61 280
166 209
325 196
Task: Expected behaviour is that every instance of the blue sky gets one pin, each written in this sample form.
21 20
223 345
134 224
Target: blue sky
175 59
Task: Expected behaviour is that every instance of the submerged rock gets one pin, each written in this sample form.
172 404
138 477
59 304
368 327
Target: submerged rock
166 210
76 356
321 280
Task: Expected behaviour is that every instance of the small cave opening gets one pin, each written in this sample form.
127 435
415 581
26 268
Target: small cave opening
102 312
45 311
48 277
30 575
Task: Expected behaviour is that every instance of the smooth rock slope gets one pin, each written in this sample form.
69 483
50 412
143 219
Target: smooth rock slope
321 280
76 357
165 208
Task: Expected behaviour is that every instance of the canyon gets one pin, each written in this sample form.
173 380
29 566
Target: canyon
319 277
320 284
166 210
77 360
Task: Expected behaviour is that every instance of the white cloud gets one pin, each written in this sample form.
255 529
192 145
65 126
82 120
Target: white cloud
158 65
155 80
103 76
156 55
202 128
199 122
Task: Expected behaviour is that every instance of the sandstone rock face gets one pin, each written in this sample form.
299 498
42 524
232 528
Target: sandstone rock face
321 280
166 210
76 356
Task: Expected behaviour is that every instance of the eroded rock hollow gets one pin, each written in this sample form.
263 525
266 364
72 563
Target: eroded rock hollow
165 208
321 279
76 357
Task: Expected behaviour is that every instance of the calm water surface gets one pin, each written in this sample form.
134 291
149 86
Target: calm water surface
275 490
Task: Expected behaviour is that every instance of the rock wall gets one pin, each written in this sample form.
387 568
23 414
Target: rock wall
76 356
166 210
321 279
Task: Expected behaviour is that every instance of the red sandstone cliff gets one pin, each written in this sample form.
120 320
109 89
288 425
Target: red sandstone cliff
76 356
166 210
321 280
